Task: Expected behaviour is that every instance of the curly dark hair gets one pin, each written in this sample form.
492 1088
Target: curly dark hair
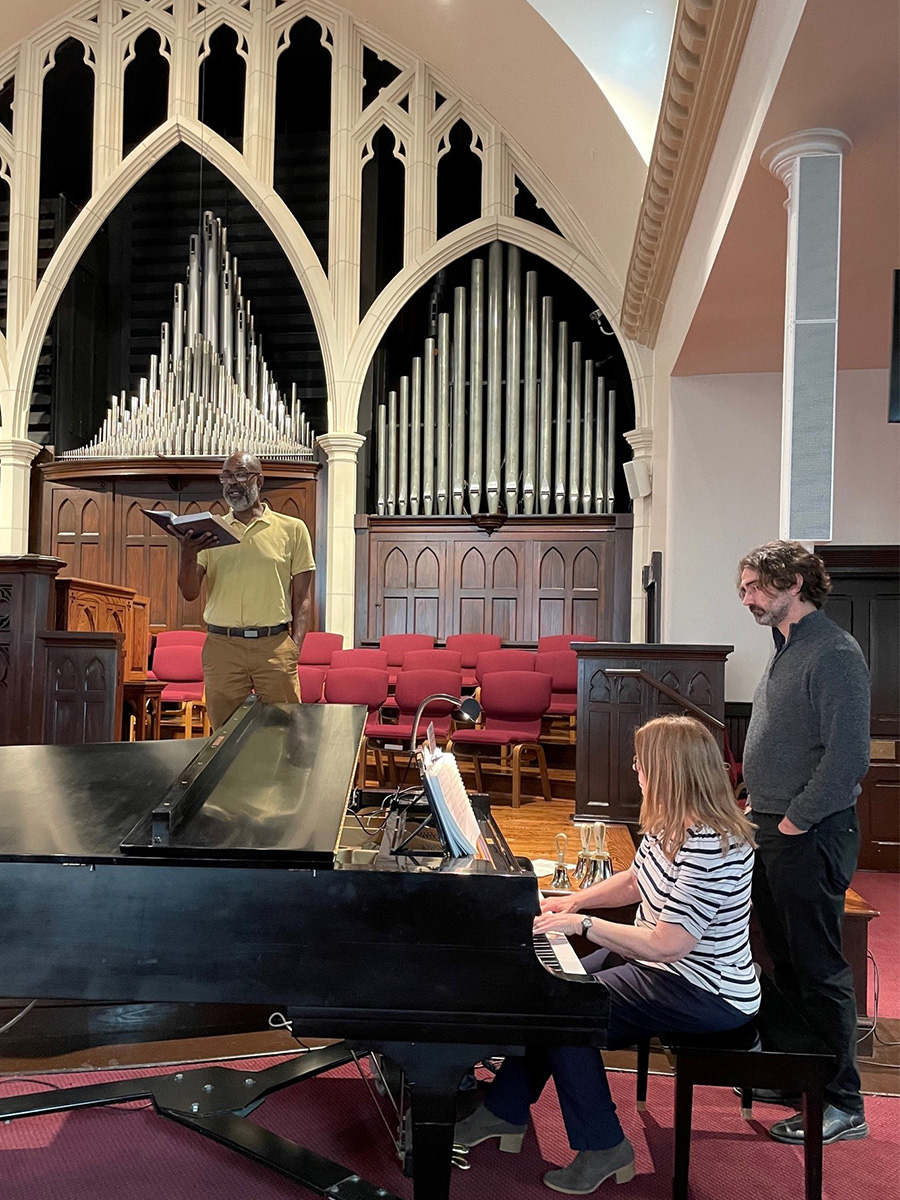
779 563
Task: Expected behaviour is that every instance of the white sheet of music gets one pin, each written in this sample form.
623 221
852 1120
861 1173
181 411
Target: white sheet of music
449 792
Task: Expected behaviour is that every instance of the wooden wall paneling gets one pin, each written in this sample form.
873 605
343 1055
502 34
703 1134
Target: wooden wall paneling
299 500
80 687
469 609
139 643
507 596
27 609
80 531
147 560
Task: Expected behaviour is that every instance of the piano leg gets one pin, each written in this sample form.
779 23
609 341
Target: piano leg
433 1073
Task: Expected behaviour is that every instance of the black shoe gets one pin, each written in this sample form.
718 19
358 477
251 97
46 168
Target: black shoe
837 1126
773 1096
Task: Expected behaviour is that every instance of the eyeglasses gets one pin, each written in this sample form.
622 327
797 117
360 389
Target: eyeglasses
237 476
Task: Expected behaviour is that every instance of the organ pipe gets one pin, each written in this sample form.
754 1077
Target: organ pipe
513 335
530 427
494 374
209 389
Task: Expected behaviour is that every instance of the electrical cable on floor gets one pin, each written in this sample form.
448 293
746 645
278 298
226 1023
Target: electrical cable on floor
18 1017
279 1021
873 1028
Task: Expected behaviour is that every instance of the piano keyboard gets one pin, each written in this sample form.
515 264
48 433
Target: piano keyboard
554 951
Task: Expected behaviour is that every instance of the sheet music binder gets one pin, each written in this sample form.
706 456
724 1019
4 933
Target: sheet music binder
449 802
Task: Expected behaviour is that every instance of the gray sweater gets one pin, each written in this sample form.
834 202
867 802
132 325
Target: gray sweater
807 747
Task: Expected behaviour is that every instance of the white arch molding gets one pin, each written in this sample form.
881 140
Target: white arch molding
265 200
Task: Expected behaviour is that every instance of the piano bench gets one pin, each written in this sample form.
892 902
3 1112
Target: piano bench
776 1049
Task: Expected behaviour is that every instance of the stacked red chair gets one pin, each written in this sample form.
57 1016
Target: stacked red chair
180 666
396 645
318 648
513 704
412 688
312 681
173 637
562 667
470 645
503 660
359 685
364 657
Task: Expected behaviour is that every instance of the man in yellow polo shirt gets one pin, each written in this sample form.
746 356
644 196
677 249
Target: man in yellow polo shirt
257 595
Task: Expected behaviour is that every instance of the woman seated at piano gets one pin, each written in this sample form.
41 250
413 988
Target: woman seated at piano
684 966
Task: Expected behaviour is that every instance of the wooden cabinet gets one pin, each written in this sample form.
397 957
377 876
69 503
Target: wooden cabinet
533 576
88 513
612 706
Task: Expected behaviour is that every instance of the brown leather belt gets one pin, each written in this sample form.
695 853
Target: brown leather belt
259 632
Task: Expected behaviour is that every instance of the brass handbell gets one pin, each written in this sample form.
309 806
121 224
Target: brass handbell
560 881
584 855
600 865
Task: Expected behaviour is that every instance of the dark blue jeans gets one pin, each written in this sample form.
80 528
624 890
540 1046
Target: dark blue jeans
643 1001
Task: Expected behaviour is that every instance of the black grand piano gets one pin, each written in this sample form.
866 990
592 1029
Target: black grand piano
240 874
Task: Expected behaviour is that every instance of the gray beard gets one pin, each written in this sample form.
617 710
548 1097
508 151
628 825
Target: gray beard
775 615
249 497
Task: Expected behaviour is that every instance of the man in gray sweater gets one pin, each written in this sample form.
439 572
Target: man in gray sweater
807 748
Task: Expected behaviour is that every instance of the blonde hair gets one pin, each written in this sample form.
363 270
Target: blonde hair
686 782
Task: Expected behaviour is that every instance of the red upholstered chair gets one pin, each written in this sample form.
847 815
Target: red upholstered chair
503 660
318 648
173 637
359 685
470 645
180 666
431 660
311 680
412 688
396 645
513 704
562 667
562 641
374 659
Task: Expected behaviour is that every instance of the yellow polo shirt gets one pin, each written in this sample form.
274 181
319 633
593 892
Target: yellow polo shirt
249 585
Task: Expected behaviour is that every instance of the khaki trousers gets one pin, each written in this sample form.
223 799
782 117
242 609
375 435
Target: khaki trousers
235 666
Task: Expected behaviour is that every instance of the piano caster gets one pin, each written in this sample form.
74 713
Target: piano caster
641 1106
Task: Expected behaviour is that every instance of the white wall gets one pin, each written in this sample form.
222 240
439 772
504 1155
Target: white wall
724 437
866 463
724 450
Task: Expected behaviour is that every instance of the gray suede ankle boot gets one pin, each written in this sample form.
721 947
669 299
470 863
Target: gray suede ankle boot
482 1124
589 1168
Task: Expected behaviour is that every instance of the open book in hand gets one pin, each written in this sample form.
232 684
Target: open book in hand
205 522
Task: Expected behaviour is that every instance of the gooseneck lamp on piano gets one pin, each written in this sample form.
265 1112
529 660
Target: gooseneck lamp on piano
469 709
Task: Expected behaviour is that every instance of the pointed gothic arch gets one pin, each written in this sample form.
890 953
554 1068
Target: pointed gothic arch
274 212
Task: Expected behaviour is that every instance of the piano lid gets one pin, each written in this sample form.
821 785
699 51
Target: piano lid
278 795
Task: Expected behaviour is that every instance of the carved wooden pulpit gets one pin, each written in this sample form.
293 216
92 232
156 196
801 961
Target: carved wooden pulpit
620 686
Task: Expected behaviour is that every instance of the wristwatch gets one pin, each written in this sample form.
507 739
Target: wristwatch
587 924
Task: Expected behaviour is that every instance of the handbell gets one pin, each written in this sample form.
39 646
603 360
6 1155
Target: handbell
560 881
584 855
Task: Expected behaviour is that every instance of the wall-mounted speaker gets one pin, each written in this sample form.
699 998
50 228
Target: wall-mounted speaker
638 478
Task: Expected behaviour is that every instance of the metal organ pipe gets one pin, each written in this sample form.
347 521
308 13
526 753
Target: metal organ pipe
545 422
562 416
415 421
587 474
428 429
529 458
443 414
494 375
575 428
513 337
392 454
403 448
381 427
476 361
458 449
611 454
600 449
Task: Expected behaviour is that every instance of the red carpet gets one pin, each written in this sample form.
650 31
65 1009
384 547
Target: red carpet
882 891
121 1154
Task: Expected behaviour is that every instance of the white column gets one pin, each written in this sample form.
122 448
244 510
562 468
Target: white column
809 164
641 442
24 193
345 203
341 450
16 455
259 99
109 86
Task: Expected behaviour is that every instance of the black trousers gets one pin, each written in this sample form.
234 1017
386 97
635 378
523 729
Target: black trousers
799 883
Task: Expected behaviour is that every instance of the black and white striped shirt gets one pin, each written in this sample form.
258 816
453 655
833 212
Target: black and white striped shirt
708 894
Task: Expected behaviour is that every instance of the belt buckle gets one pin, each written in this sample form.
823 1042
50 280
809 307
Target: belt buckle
248 633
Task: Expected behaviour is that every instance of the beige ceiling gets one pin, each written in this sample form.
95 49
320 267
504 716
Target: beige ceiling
842 72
